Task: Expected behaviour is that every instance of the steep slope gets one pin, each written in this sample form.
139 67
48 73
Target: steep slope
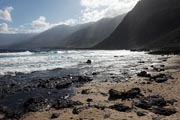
168 42
145 26
72 37
6 40
93 34
52 38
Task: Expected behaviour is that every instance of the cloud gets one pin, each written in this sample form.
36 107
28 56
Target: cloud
97 9
68 22
95 3
92 10
41 24
5 14
4 28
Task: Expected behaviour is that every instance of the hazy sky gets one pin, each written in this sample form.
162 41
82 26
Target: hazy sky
27 16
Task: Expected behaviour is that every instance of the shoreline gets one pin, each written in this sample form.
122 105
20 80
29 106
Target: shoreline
99 92
94 103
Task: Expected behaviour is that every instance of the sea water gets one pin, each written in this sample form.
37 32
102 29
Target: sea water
114 61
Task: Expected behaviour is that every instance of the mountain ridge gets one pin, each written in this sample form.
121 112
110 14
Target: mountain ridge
73 37
149 21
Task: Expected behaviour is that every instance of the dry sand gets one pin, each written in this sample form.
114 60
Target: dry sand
99 94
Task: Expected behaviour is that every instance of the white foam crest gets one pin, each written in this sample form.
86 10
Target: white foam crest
27 62
60 52
16 53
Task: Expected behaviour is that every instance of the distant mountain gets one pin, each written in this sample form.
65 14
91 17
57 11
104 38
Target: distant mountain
93 34
7 40
152 24
73 37
52 38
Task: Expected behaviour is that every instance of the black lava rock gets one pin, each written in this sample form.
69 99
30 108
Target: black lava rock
133 93
143 74
151 101
88 61
77 110
84 79
160 78
13 114
64 84
95 73
36 104
156 101
142 104
164 111
121 108
89 100
63 103
55 115
85 91
106 116
141 113
172 101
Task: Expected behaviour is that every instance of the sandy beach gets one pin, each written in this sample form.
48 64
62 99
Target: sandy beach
95 98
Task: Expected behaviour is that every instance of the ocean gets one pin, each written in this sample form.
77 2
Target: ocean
104 61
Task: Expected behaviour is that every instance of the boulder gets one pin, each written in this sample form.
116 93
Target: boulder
142 104
36 104
89 100
55 115
100 107
172 101
143 74
85 91
84 79
88 61
95 73
13 115
141 113
120 108
106 116
150 101
64 103
77 110
160 78
133 93
156 101
63 84
164 111
141 62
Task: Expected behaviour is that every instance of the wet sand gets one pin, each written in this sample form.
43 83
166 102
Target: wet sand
99 93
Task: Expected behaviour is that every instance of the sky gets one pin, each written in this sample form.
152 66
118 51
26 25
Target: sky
34 16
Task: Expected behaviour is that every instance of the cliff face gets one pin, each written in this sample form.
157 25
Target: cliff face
93 34
146 26
73 37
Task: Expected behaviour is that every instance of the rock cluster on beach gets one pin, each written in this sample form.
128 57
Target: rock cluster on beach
131 100
155 104
40 103
138 100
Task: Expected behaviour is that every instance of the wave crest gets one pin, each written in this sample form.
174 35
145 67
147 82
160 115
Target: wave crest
17 53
